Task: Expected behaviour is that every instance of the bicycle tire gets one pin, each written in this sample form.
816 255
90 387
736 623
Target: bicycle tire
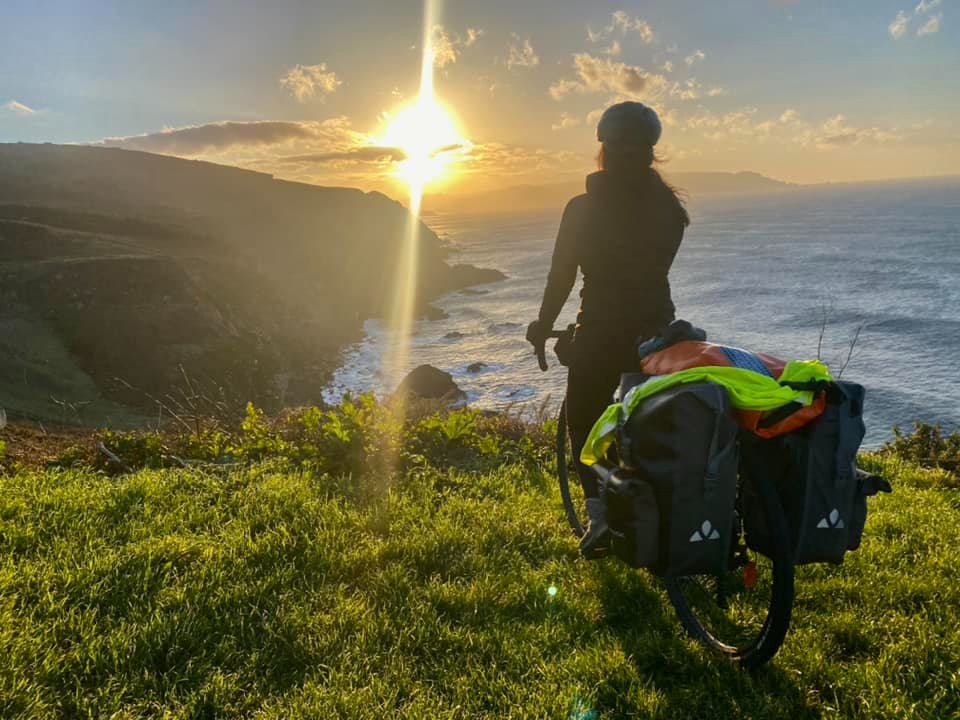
563 473
760 649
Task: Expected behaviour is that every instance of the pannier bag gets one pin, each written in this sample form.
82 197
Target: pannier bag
751 393
633 517
670 507
824 496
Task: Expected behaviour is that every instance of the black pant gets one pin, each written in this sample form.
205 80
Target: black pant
594 375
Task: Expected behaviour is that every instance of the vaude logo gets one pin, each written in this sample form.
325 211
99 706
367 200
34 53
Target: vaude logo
831 521
706 532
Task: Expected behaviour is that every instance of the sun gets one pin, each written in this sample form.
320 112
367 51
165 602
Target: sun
426 132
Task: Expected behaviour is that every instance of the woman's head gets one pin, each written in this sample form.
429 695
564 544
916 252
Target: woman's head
627 132
629 123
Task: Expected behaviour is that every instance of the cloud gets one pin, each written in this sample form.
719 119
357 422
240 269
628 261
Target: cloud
566 121
691 89
898 27
367 153
670 118
522 55
622 23
718 127
515 163
563 87
447 47
687 90
219 137
18 108
646 32
696 56
901 24
668 66
305 81
614 49
835 132
444 47
598 74
789 116
331 152
931 26
926 6
743 126
626 24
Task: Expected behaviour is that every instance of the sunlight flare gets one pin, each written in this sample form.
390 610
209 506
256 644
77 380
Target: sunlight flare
426 133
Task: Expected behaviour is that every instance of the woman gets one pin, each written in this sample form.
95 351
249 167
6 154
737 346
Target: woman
623 235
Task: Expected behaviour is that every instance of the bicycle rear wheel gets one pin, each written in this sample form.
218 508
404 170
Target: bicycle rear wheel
573 502
743 614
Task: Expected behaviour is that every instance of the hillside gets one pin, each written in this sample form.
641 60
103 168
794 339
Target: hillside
327 587
555 195
126 275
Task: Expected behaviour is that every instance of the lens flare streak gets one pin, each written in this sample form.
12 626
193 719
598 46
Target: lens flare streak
420 142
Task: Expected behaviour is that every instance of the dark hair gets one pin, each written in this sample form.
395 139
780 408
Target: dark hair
638 161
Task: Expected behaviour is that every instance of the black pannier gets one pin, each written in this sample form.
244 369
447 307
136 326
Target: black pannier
823 494
671 507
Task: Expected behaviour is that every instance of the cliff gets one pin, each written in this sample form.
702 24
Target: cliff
126 276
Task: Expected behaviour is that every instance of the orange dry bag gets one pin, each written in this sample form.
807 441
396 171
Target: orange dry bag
694 353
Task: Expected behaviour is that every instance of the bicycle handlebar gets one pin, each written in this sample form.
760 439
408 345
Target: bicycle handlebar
541 347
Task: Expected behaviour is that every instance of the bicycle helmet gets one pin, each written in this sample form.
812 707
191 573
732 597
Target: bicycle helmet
629 123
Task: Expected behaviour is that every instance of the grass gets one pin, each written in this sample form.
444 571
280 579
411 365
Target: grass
273 592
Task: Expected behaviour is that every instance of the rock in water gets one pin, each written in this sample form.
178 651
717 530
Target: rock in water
432 313
430 383
476 367
465 276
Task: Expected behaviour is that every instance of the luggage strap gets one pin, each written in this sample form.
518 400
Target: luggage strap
835 395
780 414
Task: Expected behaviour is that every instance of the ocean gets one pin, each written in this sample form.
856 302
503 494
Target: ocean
881 262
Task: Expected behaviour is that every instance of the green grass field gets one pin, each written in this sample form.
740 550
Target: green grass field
271 593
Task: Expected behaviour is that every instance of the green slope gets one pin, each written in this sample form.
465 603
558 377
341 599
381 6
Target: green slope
275 594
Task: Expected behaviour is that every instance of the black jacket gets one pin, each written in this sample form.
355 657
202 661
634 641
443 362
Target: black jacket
623 235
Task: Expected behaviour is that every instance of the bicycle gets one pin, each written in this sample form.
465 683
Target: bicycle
742 615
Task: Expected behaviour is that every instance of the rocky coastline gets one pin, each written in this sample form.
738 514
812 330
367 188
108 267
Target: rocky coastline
136 286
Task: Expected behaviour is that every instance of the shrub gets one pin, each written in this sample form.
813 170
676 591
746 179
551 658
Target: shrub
359 443
927 446
258 438
136 449
5 464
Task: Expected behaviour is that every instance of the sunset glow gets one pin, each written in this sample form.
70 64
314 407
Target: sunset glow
423 130
428 136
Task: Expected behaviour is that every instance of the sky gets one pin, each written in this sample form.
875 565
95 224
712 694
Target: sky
799 90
